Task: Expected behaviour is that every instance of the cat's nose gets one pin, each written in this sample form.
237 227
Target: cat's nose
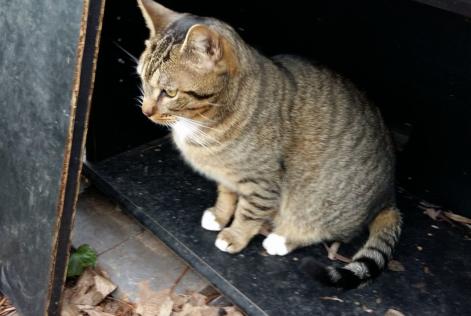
148 107
148 111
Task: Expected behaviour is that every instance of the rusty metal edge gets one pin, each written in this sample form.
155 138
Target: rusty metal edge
82 89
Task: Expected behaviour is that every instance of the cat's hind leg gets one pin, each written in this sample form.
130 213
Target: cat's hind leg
217 217
287 236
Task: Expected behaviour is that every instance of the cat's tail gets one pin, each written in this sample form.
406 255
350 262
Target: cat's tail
369 261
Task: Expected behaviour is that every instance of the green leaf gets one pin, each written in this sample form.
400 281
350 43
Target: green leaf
75 267
82 258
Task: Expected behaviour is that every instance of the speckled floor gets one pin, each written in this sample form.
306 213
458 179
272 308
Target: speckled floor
128 252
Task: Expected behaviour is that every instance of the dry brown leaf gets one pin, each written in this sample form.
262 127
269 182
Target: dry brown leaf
332 253
431 212
457 218
69 310
232 311
331 298
117 307
367 309
393 312
7 311
190 310
197 299
5 307
153 303
91 289
179 301
98 313
396 266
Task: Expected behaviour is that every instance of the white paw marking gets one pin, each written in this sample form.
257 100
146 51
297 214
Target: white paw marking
208 221
222 245
275 245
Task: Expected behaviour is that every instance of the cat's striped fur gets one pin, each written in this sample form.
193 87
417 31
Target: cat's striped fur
289 143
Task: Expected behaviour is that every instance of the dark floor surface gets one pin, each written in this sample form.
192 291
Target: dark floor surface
154 185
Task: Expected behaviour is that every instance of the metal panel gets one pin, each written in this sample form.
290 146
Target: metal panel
47 52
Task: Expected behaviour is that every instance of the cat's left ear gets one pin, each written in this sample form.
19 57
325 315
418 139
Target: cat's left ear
206 48
157 16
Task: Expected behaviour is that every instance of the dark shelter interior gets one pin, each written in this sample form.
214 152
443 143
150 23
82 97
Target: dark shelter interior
412 58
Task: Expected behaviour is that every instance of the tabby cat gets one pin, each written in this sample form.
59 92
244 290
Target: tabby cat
289 143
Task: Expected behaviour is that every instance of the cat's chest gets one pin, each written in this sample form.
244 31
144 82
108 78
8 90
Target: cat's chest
202 157
182 132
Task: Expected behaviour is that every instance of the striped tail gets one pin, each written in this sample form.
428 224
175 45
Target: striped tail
369 261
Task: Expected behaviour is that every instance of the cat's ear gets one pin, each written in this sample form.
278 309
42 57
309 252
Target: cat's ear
204 46
157 16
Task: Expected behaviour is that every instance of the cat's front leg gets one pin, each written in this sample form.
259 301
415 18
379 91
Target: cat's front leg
248 219
217 217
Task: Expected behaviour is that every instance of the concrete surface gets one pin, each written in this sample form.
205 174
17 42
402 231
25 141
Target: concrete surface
126 251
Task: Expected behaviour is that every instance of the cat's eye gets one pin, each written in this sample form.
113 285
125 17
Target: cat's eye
171 93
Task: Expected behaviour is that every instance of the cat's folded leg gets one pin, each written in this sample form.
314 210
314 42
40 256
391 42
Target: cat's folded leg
287 237
248 220
217 217
276 244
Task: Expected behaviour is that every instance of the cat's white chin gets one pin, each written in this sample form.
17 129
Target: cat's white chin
208 221
275 245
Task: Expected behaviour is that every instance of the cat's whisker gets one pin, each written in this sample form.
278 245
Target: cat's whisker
198 135
141 90
197 123
214 104
133 58
139 101
209 137
206 118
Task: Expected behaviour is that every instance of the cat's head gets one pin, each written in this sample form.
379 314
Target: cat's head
186 66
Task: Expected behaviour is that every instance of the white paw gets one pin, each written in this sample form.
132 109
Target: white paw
222 245
208 221
275 245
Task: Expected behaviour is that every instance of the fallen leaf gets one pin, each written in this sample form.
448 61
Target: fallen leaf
421 286
97 313
457 218
6 309
211 293
367 310
91 289
332 253
153 303
116 306
396 266
431 212
393 312
197 299
232 311
80 259
190 310
331 298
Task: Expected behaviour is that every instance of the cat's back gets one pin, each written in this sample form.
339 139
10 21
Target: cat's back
330 118
324 99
